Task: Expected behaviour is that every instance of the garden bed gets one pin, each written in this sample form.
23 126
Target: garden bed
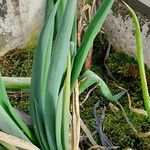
125 71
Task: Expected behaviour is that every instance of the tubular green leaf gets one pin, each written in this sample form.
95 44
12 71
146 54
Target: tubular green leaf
60 52
8 125
58 124
49 6
39 80
60 13
57 68
89 78
15 83
66 107
140 58
92 30
4 102
39 127
42 59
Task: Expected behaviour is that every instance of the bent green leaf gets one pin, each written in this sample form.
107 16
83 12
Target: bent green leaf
89 78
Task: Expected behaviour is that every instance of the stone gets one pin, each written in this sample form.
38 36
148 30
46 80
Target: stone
120 31
19 21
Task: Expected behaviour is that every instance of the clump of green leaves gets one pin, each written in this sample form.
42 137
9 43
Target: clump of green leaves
56 67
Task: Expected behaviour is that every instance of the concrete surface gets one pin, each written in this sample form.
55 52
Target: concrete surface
146 2
19 20
120 31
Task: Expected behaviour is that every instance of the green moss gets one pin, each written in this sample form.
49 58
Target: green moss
20 101
120 132
115 125
19 63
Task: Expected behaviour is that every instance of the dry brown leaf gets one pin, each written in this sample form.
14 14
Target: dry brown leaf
87 132
113 107
144 135
139 111
16 142
75 119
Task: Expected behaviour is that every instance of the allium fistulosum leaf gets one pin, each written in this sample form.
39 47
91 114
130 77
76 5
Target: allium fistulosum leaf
17 83
9 126
60 13
49 6
39 80
53 75
89 78
140 59
58 123
92 30
62 112
60 52
66 107
58 67
10 111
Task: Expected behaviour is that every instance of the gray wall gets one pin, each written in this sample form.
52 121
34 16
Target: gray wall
120 31
19 20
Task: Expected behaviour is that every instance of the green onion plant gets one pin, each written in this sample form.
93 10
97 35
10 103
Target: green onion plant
56 68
